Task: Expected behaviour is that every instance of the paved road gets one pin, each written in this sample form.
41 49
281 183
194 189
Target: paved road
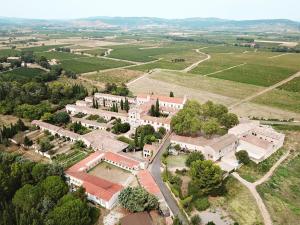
156 173
251 97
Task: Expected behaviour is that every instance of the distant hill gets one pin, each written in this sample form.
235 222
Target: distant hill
146 22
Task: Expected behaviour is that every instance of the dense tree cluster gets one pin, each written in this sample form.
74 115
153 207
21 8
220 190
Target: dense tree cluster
243 157
7 132
25 96
208 118
78 128
285 49
137 199
119 127
116 90
146 134
58 118
154 110
62 49
34 193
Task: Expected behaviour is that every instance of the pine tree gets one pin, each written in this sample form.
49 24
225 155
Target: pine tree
136 139
157 108
96 105
152 111
122 104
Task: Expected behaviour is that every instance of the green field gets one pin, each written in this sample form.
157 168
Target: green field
135 53
89 64
96 51
281 99
21 74
293 85
9 52
281 193
59 55
42 48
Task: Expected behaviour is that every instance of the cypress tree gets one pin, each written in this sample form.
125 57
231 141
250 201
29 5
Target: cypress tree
122 104
126 105
136 140
157 108
141 145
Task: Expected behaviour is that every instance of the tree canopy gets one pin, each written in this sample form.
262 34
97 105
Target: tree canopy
208 118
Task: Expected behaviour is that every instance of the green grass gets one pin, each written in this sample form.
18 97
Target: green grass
293 85
281 193
88 64
59 55
96 51
42 48
21 74
9 52
253 172
281 99
176 160
238 203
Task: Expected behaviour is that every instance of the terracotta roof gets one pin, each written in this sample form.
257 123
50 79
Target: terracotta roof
146 180
125 161
84 164
141 218
96 186
256 141
222 142
197 141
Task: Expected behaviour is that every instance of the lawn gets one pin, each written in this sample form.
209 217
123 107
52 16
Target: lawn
176 161
21 74
117 76
88 64
238 203
281 193
9 52
253 171
281 99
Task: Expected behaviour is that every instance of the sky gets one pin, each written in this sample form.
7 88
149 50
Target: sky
226 9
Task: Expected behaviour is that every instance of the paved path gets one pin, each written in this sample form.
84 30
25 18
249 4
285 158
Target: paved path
251 97
156 173
197 63
252 188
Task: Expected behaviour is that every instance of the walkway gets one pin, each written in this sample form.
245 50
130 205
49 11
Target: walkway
252 188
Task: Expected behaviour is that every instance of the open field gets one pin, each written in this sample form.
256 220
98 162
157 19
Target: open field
42 48
293 85
21 74
117 76
281 192
59 55
238 203
280 99
88 64
176 161
9 52
111 172
96 51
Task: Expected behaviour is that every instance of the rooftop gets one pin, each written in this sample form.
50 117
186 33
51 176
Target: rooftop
222 142
162 98
125 161
197 141
141 218
146 180
256 141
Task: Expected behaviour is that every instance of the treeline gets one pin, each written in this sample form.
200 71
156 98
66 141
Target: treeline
112 88
7 132
285 49
245 39
35 193
30 96
61 49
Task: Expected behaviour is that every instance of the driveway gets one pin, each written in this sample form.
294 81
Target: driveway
156 173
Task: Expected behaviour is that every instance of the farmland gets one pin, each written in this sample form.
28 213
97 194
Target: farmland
9 52
43 48
293 85
59 55
21 74
88 64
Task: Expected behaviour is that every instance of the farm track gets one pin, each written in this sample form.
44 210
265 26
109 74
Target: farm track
265 90
220 71
276 56
252 188
191 67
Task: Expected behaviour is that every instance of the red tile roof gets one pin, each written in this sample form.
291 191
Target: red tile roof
83 164
117 158
146 180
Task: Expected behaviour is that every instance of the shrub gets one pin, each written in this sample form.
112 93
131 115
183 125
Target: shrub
194 156
195 220
243 157
202 204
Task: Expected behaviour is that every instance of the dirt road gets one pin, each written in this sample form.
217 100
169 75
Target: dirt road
197 63
265 90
